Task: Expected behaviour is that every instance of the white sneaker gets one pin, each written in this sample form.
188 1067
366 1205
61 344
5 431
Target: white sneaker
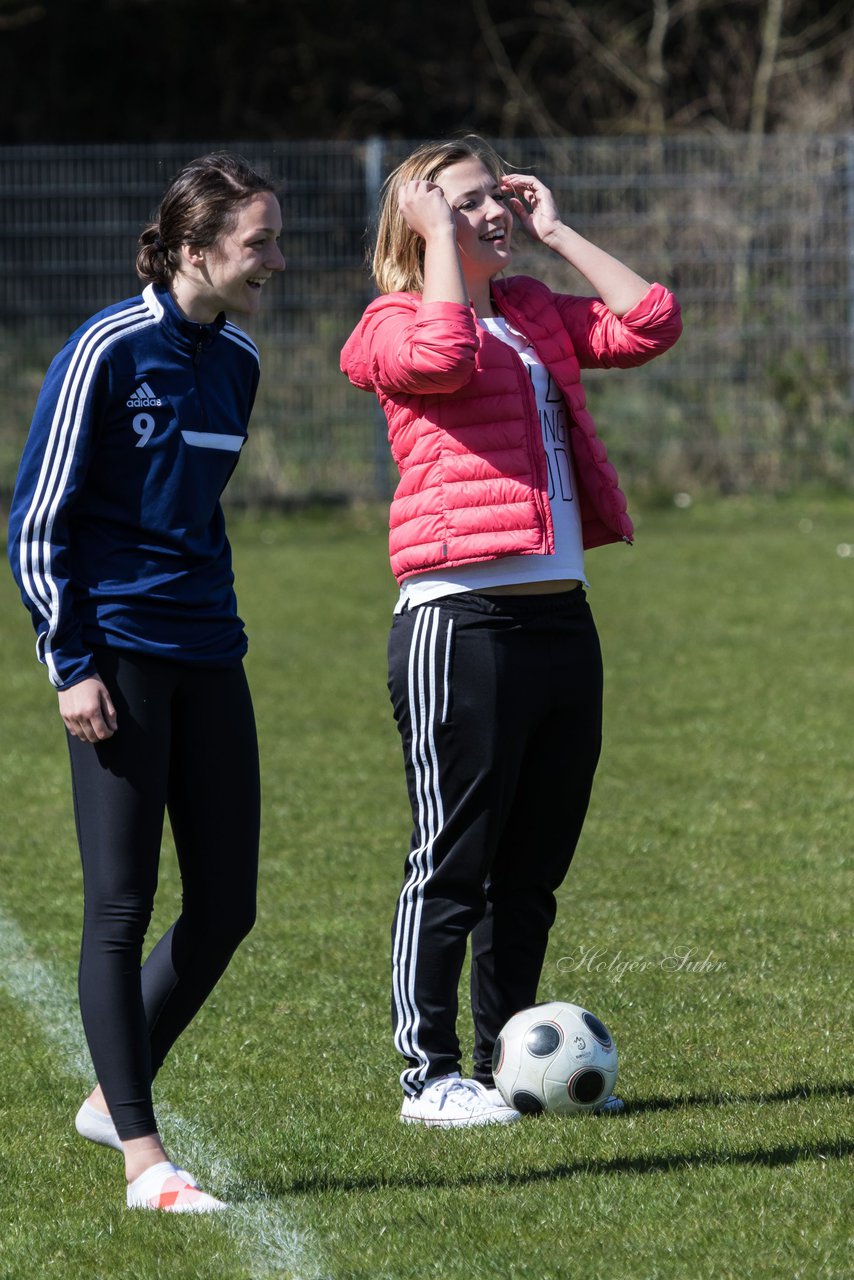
451 1102
495 1097
610 1107
97 1127
168 1189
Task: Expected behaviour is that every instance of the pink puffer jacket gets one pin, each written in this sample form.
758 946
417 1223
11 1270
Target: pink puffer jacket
462 419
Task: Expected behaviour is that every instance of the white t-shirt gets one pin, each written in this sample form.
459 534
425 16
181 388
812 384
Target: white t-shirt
568 558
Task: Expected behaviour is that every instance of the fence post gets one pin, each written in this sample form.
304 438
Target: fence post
849 187
373 184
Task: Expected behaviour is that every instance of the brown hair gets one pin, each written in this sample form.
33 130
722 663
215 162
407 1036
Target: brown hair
398 261
201 203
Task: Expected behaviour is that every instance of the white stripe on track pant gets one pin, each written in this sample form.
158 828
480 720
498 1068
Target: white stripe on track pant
498 703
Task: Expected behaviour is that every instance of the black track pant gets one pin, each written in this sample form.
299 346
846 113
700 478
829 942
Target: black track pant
186 743
498 701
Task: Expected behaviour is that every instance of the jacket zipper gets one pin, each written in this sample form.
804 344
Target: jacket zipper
535 435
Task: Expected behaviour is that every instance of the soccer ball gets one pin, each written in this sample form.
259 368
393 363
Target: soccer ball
554 1057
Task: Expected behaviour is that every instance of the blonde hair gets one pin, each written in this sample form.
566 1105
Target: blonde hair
398 261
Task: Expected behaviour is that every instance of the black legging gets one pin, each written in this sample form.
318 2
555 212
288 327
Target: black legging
185 744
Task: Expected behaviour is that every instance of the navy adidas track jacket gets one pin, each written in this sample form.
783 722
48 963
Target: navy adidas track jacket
116 534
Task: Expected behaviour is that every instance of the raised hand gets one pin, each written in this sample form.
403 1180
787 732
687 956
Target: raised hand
533 204
424 208
426 212
617 285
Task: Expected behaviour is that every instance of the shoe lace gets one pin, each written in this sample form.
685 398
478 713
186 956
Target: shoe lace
446 1088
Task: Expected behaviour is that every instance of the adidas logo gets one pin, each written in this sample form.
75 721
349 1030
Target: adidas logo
144 398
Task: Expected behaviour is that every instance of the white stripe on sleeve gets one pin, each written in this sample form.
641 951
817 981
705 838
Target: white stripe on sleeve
69 412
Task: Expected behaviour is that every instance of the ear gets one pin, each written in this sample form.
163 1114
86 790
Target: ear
193 254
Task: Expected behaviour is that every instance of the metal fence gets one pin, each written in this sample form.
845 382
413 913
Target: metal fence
757 240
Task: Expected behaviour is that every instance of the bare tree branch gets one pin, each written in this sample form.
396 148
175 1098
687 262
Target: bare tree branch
576 28
22 18
816 30
813 57
519 92
771 29
656 70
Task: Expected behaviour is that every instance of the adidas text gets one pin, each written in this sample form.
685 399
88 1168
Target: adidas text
144 398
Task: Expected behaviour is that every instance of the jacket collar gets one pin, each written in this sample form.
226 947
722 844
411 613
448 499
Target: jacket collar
187 334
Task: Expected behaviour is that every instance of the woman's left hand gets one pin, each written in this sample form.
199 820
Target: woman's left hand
533 204
617 285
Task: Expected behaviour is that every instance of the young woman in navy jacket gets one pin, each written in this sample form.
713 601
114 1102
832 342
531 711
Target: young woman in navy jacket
118 545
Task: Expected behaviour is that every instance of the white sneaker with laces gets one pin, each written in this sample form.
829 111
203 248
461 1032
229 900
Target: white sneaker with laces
451 1102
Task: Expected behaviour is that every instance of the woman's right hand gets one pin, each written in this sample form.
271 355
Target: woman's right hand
87 710
424 208
426 212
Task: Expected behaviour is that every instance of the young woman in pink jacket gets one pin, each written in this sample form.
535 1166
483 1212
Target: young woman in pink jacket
495 669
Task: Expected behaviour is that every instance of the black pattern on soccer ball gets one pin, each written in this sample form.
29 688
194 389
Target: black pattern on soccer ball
543 1040
527 1103
597 1029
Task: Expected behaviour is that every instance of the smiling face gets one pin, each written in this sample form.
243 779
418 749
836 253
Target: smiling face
230 275
483 221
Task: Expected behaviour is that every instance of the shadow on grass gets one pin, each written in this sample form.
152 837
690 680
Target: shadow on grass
765 1157
769 1157
794 1093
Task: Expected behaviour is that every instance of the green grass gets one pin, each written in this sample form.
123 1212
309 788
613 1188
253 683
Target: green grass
720 831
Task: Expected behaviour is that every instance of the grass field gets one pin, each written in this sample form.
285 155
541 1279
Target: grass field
707 920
